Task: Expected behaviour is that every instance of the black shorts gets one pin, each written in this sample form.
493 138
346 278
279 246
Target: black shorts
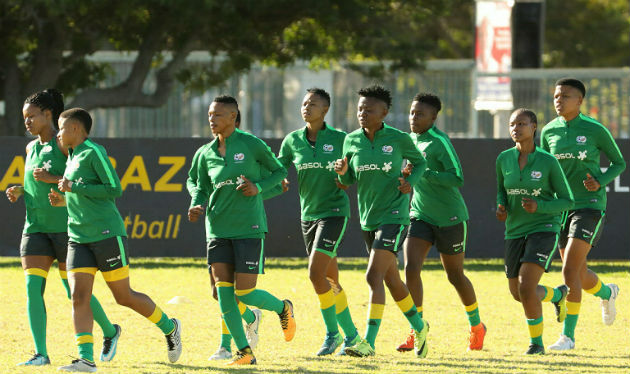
537 248
388 236
53 244
247 255
585 224
110 256
324 235
449 240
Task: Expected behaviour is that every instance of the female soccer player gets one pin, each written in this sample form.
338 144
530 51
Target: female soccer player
438 215
373 157
229 173
97 238
313 150
532 193
45 234
577 141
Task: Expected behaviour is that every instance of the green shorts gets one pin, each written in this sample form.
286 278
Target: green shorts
389 237
324 234
537 248
52 244
585 224
449 240
247 255
107 255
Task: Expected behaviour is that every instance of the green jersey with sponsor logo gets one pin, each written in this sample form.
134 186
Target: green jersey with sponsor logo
92 212
376 166
436 197
319 195
213 180
40 215
577 145
542 180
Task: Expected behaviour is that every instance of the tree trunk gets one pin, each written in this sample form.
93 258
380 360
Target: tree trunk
11 123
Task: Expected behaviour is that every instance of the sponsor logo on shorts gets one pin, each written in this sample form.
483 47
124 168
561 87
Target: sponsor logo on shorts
542 257
388 149
581 139
113 261
536 175
328 148
328 243
251 265
586 234
239 157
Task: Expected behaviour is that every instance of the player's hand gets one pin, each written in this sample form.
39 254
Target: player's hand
341 185
530 205
56 199
41 175
247 187
65 185
14 192
404 187
407 171
341 166
501 213
591 183
195 212
285 185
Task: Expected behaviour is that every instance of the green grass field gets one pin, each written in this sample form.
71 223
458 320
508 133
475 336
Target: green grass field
600 349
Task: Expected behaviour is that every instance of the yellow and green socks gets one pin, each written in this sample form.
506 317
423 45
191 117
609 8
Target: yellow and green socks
226 338
408 308
85 343
473 314
36 309
97 310
246 313
551 294
231 314
573 312
162 321
535 330
327 307
260 299
375 315
343 315
600 290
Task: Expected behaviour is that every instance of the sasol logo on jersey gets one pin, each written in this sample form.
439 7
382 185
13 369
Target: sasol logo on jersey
387 166
523 191
310 165
581 139
536 175
239 157
224 183
388 149
328 148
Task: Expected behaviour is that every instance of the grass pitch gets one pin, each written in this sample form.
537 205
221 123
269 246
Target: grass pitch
600 349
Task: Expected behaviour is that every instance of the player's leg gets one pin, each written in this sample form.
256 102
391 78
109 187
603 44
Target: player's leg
344 318
530 295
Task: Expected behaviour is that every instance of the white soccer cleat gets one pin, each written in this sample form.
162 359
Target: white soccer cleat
110 344
79 365
563 344
251 330
36 360
609 312
174 341
221 354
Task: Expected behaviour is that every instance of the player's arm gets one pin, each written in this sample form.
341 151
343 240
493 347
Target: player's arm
285 156
200 194
452 176
269 161
191 181
345 173
501 211
617 164
109 186
564 197
415 158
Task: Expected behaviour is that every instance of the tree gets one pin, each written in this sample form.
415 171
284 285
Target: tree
46 43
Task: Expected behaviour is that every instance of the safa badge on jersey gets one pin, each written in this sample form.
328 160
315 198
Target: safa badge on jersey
581 140
388 149
328 148
536 175
239 158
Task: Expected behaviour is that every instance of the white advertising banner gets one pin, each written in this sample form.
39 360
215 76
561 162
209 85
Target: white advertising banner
493 54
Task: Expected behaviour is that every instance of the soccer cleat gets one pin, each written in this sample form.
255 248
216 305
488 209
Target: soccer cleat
535 349
348 343
287 320
36 360
561 305
477 334
251 330
331 343
408 344
243 356
79 365
221 354
420 343
174 341
563 344
609 312
362 349
109 345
